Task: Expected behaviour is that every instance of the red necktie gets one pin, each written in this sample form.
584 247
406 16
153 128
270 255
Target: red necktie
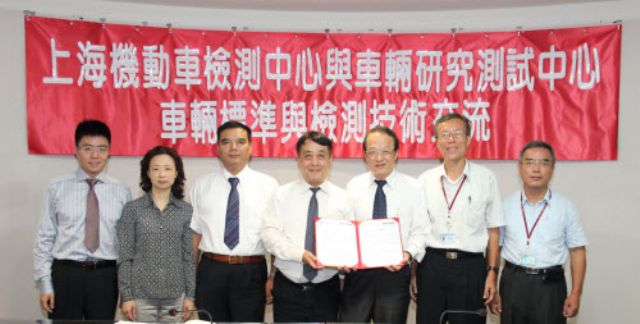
92 224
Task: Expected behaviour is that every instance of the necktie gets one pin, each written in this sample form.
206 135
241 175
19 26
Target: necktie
232 221
380 201
312 212
92 222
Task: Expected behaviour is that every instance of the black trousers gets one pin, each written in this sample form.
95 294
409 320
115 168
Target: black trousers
84 294
294 302
532 299
376 294
231 292
447 284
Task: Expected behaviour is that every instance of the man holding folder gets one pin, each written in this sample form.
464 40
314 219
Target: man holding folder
304 290
382 294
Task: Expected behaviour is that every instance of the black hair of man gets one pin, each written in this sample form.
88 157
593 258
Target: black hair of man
234 124
450 116
538 144
384 130
316 137
92 127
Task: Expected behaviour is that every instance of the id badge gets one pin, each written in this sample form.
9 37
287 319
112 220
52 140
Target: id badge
448 238
527 260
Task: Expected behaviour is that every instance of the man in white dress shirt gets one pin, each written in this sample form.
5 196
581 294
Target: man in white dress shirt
304 291
465 210
382 295
228 209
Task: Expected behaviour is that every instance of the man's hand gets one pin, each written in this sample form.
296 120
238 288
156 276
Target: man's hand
310 259
496 305
571 305
47 301
405 260
268 287
413 287
489 288
346 269
187 309
129 309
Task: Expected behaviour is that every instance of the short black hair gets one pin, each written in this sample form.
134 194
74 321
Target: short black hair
536 144
177 189
92 127
450 116
384 130
234 124
316 137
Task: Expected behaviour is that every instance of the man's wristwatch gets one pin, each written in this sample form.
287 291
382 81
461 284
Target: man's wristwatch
494 269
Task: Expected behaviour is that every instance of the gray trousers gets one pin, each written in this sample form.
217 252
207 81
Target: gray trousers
157 310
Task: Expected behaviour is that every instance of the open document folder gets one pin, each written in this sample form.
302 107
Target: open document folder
372 243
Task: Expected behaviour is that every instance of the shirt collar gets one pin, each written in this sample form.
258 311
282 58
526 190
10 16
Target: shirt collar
547 197
83 176
466 171
391 179
303 186
149 200
242 175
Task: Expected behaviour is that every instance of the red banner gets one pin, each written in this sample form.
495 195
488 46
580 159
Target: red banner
176 86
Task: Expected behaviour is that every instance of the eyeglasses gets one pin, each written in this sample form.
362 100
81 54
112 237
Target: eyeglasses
457 134
531 162
88 149
375 153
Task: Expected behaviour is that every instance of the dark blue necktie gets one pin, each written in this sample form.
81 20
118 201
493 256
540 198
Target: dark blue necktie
380 201
232 221
307 270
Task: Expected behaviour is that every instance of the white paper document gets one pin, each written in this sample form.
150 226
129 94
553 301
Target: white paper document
358 244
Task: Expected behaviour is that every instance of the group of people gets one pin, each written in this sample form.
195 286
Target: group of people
243 241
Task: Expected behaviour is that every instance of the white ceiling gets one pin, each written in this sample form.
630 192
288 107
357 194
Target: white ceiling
358 5
401 16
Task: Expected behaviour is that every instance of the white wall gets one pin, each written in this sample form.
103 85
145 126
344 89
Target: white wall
605 192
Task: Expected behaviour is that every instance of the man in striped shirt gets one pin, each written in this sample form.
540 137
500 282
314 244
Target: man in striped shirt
75 248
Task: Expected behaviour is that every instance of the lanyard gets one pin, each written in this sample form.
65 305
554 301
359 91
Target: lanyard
444 192
524 217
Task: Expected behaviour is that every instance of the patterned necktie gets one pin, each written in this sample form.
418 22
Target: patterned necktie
380 201
307 270
92 222
232 221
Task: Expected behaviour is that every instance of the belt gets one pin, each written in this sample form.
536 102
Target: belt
534 271
307 286
235 259
87 265
454 254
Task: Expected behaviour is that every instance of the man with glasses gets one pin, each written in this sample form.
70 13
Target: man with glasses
542 229
464 209
76 249
382 295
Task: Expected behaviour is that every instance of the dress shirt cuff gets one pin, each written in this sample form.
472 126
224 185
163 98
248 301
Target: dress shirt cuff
126 295
419 256
190 293
300 255
45 286
413 251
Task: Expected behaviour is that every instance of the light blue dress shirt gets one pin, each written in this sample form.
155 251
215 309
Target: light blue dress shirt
558 230
61 231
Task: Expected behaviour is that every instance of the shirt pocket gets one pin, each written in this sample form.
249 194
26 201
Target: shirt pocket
551 230
476 207
363 207
253 226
